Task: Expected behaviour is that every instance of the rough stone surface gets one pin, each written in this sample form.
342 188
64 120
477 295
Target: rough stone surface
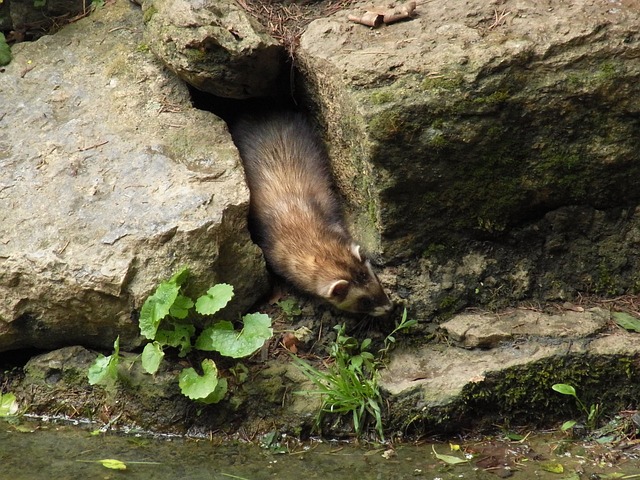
486 330
486 160
56 382
110 182
214 45
458 135
507 365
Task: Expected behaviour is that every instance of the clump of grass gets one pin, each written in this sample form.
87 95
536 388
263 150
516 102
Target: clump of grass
349 386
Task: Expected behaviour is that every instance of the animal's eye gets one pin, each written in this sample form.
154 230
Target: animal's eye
365 304
363 277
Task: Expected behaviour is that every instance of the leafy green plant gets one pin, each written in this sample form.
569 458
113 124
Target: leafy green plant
626 321
166 320
289 307
5 51
350 383
104 371
8 405
347 386
592 413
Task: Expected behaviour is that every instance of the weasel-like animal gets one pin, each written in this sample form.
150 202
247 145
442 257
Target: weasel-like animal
296 218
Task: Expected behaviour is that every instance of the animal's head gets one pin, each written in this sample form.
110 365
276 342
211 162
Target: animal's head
355 287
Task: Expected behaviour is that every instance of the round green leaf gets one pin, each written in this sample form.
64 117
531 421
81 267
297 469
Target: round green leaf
222 338
198 387
152 355
218 394
215 299
8 405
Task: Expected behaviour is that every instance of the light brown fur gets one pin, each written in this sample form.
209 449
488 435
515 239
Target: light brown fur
296 217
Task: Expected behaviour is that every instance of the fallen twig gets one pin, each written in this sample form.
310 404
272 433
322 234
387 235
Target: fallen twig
84 149
499 18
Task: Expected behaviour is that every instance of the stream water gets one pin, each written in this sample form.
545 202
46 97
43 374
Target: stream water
36 449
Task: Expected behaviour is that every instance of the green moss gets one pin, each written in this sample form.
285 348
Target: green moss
480 103
606 282
148 13
142 48
388 124
195 55
492 99
575 80
608 71
372 210
446 83
447 303
528 388
438 141
380 97
523 395
438 124
433 249
491 225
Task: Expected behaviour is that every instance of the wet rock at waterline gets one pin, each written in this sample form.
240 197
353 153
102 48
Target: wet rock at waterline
489 369
490 151
109 182
56 382
498 368
214 45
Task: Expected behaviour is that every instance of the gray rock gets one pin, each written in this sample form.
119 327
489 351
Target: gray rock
109 182
519 355
214 45
487 330
506 133
55 383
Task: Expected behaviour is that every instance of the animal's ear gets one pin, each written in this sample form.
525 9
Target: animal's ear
355 250
337 289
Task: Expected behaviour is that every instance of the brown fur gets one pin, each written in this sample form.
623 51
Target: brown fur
296 217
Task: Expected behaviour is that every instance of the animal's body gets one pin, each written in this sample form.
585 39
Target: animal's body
296 217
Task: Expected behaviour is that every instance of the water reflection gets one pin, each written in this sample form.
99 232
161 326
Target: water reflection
33 449
37 450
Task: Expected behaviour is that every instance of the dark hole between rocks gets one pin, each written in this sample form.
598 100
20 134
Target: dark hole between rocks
230 109
16 359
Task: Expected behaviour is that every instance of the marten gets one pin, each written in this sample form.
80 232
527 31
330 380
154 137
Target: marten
295 216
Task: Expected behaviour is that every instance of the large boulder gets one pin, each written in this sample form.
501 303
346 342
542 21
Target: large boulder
500 367
490 152
214 45
109 182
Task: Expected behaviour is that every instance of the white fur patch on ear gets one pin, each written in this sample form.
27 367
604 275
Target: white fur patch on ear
339 288
355 250
367 264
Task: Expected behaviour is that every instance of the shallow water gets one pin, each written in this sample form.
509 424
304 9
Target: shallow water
36 449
